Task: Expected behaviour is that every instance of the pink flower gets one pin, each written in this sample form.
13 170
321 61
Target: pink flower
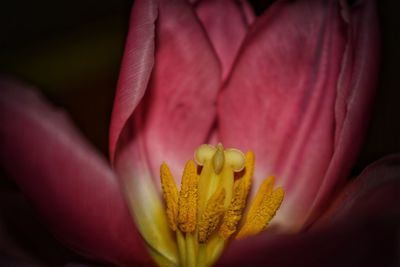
294 85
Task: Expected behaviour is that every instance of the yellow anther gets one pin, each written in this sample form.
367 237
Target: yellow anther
218 159
248 175
264 191
188 196
212 215
262 209
170 195
241 189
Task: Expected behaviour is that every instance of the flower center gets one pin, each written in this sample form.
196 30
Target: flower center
208 211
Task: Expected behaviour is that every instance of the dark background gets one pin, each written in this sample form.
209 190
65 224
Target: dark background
71 50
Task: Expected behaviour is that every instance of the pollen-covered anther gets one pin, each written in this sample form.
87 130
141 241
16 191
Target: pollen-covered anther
170 193
262 209
241 189
211 215
188 195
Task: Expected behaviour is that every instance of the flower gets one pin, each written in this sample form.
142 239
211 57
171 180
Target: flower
294 85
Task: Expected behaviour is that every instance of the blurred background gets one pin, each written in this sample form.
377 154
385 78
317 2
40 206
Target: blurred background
71 51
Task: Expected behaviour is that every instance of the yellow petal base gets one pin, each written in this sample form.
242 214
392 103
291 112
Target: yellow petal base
208 211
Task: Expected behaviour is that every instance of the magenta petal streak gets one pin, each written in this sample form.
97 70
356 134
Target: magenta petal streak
67 181
178 109
136 67
226 23
292 94
355 95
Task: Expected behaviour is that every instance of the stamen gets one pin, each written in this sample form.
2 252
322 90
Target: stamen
262 209
240 191
170 195
212 215
209 207
188 196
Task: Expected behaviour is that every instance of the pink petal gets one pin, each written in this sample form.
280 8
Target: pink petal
355 97
346 244
178 110
67 181
226 23
136 67
293 94
360 229
375 193
247 11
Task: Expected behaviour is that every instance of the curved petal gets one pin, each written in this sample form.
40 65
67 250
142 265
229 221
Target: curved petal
226 23
136 67
144 200
178 109
376 192
360 229
248 11
67 181
354 99
295 91
371 242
